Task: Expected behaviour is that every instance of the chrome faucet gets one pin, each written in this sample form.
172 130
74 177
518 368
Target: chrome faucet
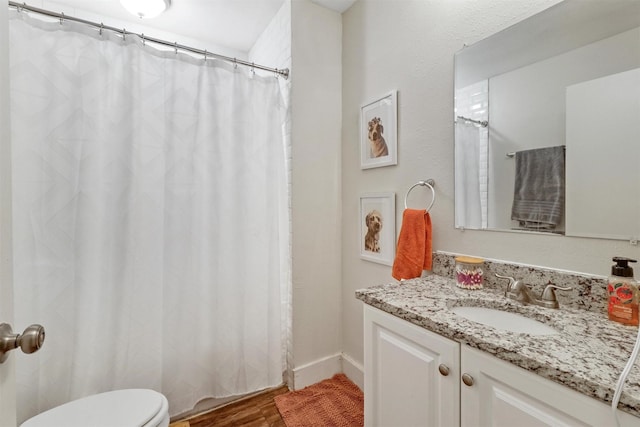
518 291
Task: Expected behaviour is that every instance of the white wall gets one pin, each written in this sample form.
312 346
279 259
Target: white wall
316 80
604 109
409 46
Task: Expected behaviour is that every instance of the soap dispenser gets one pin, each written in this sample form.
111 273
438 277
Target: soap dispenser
623 292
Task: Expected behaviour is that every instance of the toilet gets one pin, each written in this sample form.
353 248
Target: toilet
119 408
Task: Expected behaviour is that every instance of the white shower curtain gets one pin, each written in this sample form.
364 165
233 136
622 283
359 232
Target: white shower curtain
471 156
151 219
467 168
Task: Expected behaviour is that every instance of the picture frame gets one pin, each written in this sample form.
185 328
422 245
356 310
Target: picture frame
377 228
379 132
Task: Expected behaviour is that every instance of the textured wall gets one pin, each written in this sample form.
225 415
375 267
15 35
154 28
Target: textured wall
409 46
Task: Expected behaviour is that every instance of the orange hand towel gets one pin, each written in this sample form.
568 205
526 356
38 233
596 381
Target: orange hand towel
413 253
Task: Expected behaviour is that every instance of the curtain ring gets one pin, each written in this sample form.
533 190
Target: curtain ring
101 27
205 55
61 17
235 64
124 34
143 40
175 47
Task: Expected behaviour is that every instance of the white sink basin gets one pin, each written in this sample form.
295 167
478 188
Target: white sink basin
504 320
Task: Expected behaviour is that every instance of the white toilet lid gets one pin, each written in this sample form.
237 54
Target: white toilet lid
120 408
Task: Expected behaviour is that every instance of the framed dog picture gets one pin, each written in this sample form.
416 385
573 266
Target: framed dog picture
378 227
378 132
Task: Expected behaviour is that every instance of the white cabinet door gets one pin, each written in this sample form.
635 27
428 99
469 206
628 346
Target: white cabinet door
503 394
403 385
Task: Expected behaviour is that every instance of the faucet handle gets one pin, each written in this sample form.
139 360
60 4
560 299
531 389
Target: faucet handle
549 295
512 283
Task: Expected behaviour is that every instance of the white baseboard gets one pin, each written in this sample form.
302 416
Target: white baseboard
316 371
353 370
327 367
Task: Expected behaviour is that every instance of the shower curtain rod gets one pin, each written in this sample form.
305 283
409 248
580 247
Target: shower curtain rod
482 123
62 17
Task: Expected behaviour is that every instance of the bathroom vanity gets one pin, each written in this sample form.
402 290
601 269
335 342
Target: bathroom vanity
427 365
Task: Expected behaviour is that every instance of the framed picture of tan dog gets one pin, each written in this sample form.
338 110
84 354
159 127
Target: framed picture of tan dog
378 227
378 132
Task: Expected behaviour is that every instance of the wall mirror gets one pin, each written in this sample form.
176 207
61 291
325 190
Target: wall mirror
558 94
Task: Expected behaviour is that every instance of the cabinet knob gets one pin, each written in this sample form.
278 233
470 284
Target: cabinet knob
467 379
444 370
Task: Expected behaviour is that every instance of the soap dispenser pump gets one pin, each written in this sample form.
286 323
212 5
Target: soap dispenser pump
623 292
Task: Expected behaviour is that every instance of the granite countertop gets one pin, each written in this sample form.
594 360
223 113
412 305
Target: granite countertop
587 355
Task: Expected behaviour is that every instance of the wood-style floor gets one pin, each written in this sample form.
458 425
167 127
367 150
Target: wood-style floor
255 411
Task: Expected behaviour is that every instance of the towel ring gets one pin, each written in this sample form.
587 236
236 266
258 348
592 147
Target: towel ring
428 183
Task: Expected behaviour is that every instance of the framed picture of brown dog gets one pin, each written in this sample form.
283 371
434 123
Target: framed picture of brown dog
378 227
378 132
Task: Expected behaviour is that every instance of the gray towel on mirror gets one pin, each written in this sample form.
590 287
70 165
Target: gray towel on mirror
538 200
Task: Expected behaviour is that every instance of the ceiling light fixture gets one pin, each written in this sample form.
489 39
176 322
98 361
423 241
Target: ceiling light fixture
146 8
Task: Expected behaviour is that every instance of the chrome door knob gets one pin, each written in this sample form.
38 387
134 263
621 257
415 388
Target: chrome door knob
29 341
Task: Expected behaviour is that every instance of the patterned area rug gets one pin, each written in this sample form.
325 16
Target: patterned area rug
336 402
